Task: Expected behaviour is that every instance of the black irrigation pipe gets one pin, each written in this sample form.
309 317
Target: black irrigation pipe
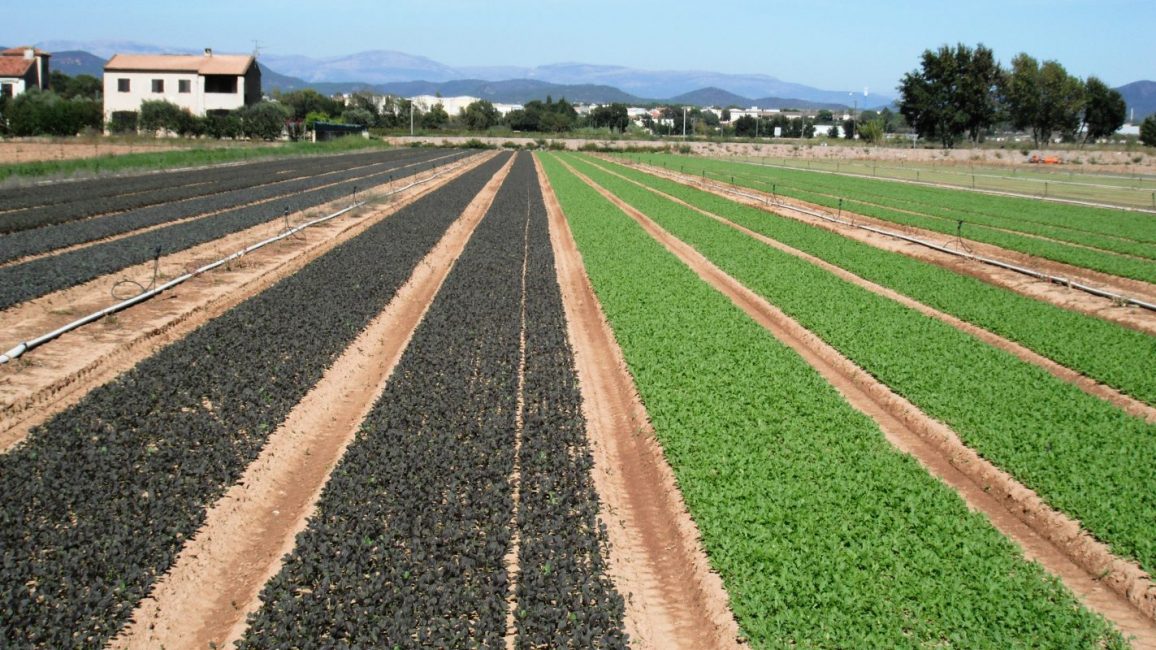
44 275
71 233
96 504
1040 275
30 344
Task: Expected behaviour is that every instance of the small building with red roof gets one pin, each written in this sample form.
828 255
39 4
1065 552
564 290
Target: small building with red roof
22 68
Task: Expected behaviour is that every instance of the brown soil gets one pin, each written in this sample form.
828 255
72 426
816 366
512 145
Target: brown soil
214 585
56 375
1115 588
196 217
1061 296
1092 387
673 599
513 567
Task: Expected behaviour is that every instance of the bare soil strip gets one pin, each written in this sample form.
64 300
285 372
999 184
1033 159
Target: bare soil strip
1092 387
1133 317
673 599
195 217
1115 588
214 584
513 568
53 377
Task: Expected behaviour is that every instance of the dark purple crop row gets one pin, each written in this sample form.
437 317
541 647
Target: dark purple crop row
97 503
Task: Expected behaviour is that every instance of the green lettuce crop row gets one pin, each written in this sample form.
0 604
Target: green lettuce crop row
1082 455
824 535
805 189
1111 354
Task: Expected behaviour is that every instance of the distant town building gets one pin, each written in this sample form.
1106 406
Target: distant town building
22 68
454 105
200 83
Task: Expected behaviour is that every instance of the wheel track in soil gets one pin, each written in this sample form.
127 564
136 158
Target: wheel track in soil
673 599
1115 588
214 585
1130 405
52 378
1074 300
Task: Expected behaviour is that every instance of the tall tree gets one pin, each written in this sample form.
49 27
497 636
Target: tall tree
1148 131
1104 110
1044 99
480 115
954 92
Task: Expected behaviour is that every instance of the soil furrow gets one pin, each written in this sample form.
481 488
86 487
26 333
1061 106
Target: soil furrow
214 584
55 376
1115 588
1086 384
673 599
1135 318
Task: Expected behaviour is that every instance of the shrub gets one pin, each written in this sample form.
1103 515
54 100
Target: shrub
123 122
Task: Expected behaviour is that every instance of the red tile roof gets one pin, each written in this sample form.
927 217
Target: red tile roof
11 66
19 51
216 64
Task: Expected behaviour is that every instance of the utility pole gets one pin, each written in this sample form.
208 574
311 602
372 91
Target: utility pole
684 122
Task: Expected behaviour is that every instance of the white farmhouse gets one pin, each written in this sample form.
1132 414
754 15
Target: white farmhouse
202 84
22 68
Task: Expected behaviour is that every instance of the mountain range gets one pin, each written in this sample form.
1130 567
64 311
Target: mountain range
398 73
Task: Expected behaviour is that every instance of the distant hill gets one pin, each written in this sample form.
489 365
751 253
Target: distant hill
77 62
711 97
1140 97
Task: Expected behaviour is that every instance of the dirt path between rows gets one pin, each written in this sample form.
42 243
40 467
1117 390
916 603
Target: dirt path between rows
55 376
1067 298
205 598
673 599
1128 404
196 217
1115 588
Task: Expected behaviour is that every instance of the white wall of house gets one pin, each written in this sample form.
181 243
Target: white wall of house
140 89
17 84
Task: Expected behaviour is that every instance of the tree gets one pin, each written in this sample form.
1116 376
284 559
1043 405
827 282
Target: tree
614 116
1148 131
435 118
745 127
1044 99
954 92
849 128
263 120
1104 110
37 112
159 115
825 116
222 124
84 86
360 116
872 130
304 102
480 115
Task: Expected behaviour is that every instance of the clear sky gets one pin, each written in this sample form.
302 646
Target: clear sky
830 44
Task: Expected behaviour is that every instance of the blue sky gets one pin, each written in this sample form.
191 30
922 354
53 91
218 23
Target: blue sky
832 44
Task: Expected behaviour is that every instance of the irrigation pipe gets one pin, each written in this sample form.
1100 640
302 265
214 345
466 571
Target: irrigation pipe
1056 279
25 346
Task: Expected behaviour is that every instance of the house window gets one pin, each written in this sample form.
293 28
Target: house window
184 86
122 85
220 83
158 85
5 90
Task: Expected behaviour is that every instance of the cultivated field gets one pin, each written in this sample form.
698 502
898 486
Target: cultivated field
573 400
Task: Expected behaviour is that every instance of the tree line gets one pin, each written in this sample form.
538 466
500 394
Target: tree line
962 92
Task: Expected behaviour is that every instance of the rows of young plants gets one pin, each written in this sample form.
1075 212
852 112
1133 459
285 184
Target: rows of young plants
408 543
844 196
40 276
96 503
823 534
1111 354
38 206
1100 227
1016 213
1081 454
564 597
213 198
